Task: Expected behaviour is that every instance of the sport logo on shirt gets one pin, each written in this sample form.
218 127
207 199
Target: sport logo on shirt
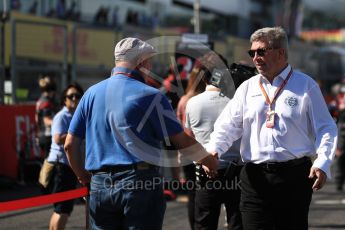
291 101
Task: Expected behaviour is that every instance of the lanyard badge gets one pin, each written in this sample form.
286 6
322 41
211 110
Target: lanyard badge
270 119
270 115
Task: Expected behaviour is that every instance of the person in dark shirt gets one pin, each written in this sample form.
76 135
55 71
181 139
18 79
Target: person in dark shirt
46 107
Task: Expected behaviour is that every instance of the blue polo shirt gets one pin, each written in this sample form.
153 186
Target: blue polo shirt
60 125
124 121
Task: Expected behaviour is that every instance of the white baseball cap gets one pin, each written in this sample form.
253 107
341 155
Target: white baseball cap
133 50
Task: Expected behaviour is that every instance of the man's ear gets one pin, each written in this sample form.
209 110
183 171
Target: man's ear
282 52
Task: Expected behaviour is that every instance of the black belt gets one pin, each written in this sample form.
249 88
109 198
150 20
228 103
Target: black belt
283 165
121 168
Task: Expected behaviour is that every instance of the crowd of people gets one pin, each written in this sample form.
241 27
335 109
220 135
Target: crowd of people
104 16
60 9
258 144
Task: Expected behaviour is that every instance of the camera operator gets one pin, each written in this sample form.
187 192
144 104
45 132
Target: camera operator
202 112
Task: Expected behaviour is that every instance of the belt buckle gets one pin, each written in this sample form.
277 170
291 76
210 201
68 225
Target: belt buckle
143 166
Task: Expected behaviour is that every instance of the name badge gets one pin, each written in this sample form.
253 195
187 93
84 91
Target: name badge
270 119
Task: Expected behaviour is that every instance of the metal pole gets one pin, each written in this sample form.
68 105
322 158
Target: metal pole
87 207
197 24
13 62
42 8
74 54
4 9
2 45
64 64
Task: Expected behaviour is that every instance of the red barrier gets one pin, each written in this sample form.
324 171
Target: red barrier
42 200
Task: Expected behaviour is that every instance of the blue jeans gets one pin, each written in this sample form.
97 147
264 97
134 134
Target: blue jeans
130 199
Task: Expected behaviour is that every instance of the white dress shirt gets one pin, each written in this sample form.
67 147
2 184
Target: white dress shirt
303 124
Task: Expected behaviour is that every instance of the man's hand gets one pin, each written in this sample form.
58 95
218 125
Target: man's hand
319 176
211 163
84 178
209 172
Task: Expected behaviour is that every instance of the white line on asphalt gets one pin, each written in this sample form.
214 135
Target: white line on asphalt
330 202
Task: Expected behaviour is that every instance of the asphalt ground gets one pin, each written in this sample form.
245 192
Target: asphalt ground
327 211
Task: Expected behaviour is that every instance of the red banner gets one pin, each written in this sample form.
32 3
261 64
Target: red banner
17 140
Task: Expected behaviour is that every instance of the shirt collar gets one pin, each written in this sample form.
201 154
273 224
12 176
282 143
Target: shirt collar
134 73
283 74
65 110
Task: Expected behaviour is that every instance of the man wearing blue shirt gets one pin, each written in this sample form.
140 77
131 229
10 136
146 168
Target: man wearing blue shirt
124 122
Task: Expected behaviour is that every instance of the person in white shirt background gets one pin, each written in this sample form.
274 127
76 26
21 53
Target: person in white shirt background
283 120
200 115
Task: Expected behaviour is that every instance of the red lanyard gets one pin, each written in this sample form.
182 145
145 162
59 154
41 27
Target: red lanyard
276 93
123 73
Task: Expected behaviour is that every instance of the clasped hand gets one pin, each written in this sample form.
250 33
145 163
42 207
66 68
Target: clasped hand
210 165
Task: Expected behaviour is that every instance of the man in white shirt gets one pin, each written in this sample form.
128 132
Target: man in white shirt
283 120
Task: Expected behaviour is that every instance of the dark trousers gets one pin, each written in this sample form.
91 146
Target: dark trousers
340 171
189 172
45 143
275 198
211 195
64 180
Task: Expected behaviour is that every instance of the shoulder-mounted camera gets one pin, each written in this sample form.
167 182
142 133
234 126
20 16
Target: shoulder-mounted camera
228 80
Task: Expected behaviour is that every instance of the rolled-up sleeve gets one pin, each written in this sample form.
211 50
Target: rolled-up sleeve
325 131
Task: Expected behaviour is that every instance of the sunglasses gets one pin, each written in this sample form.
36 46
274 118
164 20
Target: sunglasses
73 96
260 52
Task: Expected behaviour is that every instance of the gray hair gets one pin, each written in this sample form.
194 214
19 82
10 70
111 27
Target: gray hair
275 36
